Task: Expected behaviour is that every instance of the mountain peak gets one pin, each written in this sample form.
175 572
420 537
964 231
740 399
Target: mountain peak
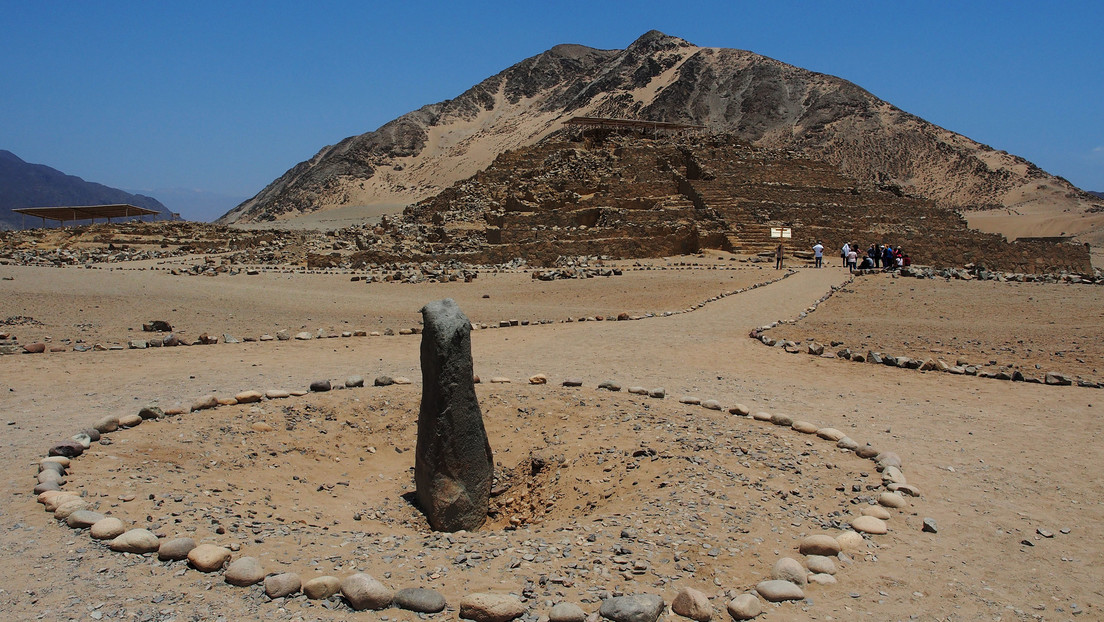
654 40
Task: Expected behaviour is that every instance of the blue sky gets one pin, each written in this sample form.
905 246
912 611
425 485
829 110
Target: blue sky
226 96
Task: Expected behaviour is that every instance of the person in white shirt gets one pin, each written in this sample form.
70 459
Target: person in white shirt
844 252
818 253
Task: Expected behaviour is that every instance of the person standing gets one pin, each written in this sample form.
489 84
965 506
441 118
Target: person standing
818 253
778 258
852 259
843 253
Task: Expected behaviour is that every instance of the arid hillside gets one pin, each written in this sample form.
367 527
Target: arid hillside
756 99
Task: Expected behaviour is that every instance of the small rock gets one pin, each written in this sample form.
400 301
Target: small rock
244 571
711 405
277 394
891 500
151 412
632 608
822 578
876 511
819 544
107 528
203 403
609 385
83 519
419 599
566 612
538 379
830 434
870 525
485 607
930 526
849 540
742 411
383 381
781 419
744 607
319 588
130 421
658 392
789 569
363 591
353 382
777 591
136 541
820 564
690 603
302 336
283 584
804 427
320 386
249 397
107 424
208 557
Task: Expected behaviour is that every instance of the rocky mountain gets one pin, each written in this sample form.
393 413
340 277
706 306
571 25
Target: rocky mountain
658 77
36 185
1099 195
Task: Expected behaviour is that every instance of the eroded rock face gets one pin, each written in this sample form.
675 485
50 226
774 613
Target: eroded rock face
453 465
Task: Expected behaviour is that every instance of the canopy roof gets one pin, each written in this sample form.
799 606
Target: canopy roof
85 212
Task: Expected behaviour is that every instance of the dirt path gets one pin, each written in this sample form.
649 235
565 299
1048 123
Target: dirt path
996 461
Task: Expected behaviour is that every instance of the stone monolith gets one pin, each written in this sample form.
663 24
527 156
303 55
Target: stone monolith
453 466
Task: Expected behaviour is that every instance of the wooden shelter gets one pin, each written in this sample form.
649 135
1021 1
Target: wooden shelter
84 212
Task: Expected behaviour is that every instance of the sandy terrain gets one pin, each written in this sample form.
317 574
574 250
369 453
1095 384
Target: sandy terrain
984 453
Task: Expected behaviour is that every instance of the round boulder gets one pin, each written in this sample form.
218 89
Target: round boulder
419 599
135 541
283 584
244 571
107 528
208 557
789 569
777 591
322 587
819 544
485 607
175 550
632 608
870 525
566 612
363 591
83 519
744 607
690 603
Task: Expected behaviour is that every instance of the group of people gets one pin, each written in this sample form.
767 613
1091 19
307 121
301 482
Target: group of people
877 256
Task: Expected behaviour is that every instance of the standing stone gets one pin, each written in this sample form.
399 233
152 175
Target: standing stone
453 465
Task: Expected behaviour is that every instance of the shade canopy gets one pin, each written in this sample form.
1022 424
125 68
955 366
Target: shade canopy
85 212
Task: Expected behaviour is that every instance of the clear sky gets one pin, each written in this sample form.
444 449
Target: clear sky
225 96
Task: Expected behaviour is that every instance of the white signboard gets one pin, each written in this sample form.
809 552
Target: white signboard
781 232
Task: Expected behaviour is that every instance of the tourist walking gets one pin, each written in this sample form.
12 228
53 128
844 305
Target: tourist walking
818 253
778 258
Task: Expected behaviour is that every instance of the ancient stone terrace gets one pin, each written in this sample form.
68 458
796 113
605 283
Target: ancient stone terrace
632 197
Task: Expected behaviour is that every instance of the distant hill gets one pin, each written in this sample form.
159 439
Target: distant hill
1099 195
753 98
36 185
194 205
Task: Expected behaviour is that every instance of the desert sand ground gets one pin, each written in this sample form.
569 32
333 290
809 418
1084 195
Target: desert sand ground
998 463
